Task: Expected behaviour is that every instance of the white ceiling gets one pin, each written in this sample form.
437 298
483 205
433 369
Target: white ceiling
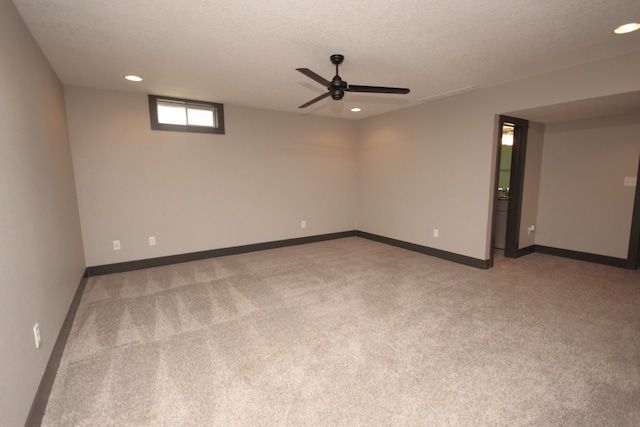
245 52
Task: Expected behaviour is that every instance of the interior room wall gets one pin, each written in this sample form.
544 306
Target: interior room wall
433 166
583 204
41 257
531 184
427 168
196 192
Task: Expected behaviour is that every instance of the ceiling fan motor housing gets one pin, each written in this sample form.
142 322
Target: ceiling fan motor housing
337 93
337 88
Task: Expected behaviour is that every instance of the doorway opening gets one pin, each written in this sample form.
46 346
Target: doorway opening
505 149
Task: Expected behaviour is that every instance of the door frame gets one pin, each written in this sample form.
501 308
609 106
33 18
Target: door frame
633 255
516 185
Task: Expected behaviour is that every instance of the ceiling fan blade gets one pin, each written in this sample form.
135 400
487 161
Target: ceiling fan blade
377 89
314 100
307 72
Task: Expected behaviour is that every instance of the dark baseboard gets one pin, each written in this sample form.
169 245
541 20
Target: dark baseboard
41 399
525 251
195 256
449 256
583 256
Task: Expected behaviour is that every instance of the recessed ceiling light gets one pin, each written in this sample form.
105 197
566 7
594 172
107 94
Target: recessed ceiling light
133 78
356 109
627 28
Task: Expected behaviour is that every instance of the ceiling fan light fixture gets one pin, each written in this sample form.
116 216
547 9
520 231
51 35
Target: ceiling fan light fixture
627 28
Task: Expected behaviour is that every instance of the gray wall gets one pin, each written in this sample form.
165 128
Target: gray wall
195 192
531 184
583 205
41 259
433 166
429 168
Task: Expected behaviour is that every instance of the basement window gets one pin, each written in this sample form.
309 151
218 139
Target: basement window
185 115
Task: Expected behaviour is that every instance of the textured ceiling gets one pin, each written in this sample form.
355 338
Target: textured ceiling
245 53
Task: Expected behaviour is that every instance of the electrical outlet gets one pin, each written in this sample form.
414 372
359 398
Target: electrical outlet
303 224
630 181
116 245
436 232
531 229
152 241
36 335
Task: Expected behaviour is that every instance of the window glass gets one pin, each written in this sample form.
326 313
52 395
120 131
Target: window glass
199 117
171 114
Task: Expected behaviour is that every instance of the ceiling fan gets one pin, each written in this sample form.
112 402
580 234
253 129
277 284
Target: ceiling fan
337 87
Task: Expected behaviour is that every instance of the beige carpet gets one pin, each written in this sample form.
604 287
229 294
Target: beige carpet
353 332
